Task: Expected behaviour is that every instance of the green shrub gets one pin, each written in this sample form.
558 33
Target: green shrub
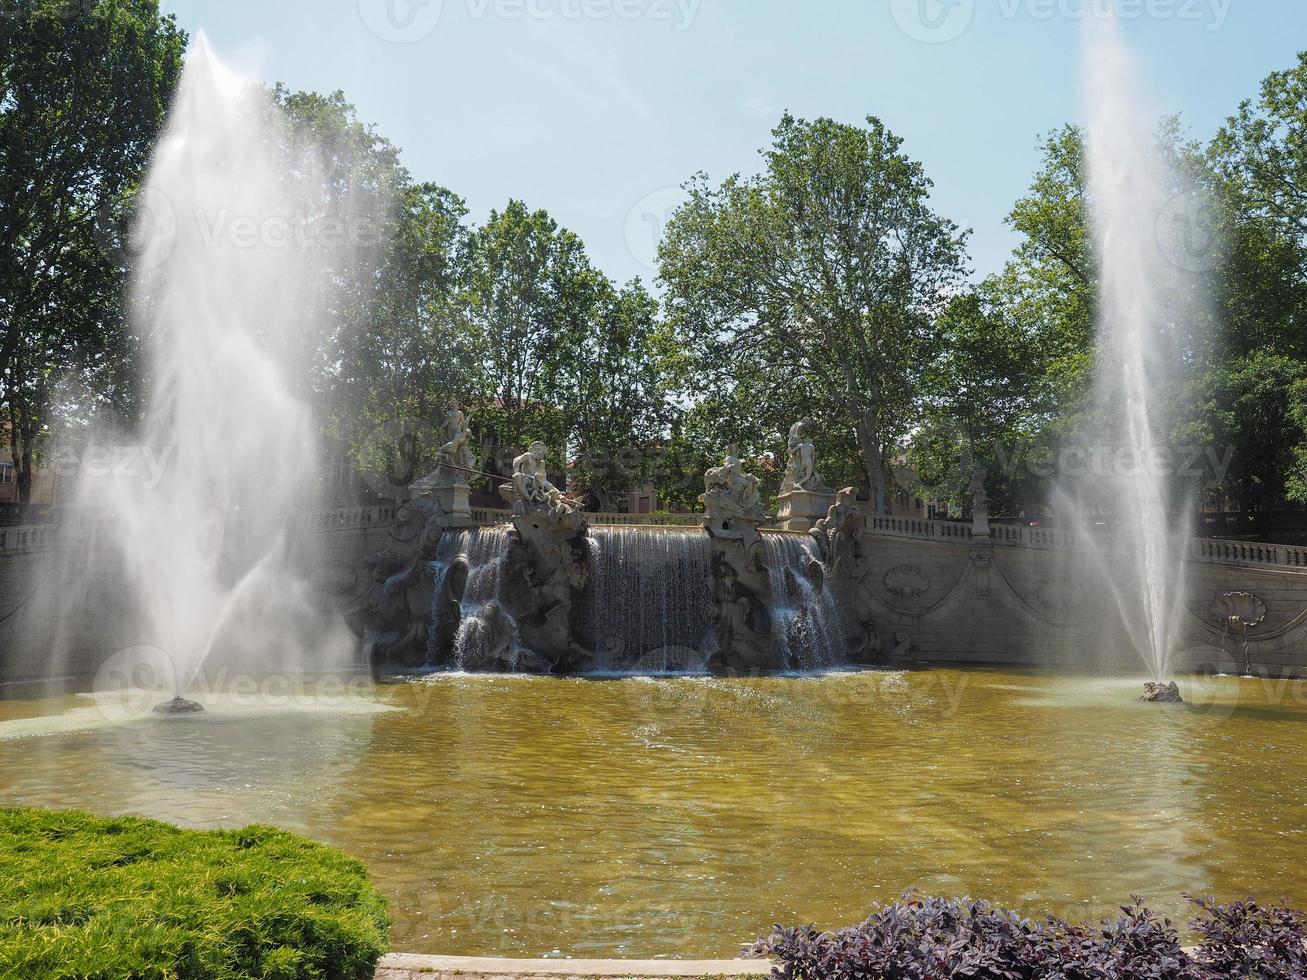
87 897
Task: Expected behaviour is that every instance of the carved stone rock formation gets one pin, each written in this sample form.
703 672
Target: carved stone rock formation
741 583
1162 693
548 566
902 648
839 538
393 616
178 706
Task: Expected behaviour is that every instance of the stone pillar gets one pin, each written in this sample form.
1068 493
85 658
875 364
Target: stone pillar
800 510
454 501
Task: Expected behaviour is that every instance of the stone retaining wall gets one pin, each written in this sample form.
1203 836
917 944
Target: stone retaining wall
71 636
1018 599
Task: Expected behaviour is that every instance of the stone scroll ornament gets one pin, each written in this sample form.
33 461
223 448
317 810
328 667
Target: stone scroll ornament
733 510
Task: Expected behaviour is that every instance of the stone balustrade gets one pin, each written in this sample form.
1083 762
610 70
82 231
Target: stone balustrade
487 516
37 537
26 537
1204 550
1247 553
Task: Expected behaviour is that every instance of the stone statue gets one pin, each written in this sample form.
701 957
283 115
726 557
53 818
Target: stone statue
455 465
731 493
801 469
803 498
532 487
836 533
979 499
732 502
456 459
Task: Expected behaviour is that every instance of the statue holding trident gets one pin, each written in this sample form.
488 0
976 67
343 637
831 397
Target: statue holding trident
455 466
455 456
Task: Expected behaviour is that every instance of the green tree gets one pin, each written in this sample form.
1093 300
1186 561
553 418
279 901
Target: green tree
84 88
1256 392
531 295
1263 149
982 404
822 275
1258 405
616 397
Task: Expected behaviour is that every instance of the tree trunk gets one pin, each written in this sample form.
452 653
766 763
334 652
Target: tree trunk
24 425
873 459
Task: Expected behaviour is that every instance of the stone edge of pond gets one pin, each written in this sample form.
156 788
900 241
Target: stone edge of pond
409 966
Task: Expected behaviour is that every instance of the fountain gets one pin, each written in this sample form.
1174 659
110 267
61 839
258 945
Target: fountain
548 593
1143 306
229 291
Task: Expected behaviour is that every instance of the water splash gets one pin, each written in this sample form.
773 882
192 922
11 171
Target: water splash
1146 302
230 300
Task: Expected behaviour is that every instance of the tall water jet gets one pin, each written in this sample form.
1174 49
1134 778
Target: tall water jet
1146 305
229 293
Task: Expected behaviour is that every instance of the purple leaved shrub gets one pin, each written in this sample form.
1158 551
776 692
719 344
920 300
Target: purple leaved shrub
931 938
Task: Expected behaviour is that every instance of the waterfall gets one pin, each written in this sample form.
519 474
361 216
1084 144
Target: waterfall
807 625
481 617
650 597
648 607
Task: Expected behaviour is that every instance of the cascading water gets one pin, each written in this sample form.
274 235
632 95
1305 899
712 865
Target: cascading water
804 616
650 597
1146 302
229 292
482 621
648 607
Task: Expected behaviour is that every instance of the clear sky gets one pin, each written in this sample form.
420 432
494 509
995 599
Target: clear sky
597 110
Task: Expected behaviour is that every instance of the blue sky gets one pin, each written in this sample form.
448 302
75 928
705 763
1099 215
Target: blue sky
597 110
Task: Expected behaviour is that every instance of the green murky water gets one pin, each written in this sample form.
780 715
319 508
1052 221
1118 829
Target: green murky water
683 816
